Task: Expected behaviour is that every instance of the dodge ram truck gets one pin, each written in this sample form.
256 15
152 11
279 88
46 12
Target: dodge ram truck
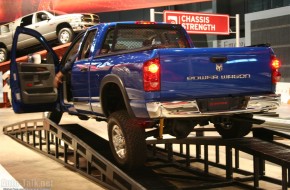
51 24
152 81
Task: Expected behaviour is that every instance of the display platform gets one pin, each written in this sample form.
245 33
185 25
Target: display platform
33 170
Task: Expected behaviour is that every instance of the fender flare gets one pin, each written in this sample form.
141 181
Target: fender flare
61 26
112 78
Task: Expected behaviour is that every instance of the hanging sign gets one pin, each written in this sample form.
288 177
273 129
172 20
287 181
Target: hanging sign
199 23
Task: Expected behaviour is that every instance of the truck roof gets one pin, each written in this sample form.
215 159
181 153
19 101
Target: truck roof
131 22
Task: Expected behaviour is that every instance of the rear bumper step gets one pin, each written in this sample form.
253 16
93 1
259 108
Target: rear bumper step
184 109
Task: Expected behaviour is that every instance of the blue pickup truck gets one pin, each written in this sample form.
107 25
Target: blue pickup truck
152 81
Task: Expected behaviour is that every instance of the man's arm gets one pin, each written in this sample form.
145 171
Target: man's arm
65 69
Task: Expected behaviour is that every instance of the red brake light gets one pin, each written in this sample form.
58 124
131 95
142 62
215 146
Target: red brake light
275 64
153 68
151 75
276 77
29 85
144 22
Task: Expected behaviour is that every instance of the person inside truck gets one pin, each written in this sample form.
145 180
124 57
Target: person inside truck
68 65
65 69
105 49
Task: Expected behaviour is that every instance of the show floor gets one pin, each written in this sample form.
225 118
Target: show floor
32 170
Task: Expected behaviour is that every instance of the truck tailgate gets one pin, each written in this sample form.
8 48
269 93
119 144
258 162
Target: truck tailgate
215 72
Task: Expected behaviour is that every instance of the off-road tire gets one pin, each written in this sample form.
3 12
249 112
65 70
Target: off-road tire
131 137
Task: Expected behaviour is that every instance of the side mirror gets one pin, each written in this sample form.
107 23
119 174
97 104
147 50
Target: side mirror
44 17
34 58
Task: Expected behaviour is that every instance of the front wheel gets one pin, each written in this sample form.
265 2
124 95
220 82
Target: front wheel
127 140
3 55
65 35
234 128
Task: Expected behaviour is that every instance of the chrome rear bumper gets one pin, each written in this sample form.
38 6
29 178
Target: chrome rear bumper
265 103
183 109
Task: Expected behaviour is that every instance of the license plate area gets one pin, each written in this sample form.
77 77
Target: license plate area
222 104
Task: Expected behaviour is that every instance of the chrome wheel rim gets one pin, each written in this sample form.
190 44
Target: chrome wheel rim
119 141
64 37
2 56
226 126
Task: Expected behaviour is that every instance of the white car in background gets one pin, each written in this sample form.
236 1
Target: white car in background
51 24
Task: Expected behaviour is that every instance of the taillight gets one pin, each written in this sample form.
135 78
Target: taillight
276 77
275 64
151 75
144 22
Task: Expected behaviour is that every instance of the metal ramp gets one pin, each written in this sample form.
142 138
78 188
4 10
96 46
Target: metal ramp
262 146
171 162
75 147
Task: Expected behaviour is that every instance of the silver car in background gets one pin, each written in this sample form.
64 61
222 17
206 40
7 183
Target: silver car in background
51 24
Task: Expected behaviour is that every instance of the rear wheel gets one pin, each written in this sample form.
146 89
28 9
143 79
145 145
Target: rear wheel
65 35
234 128
127 140
3 55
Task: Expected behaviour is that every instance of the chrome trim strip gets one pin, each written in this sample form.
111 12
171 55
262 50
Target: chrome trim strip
265 103
183 109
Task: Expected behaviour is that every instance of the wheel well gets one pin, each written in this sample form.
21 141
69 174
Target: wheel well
61 26
2 45
112 99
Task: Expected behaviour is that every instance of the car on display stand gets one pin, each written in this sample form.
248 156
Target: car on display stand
51 24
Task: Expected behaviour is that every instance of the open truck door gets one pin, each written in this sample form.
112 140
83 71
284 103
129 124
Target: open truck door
32 75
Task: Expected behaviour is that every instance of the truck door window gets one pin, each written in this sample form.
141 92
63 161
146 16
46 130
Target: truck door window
37 54
107 44
86 46
73 50
26 21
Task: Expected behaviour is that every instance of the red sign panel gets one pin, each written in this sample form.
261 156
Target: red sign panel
199 23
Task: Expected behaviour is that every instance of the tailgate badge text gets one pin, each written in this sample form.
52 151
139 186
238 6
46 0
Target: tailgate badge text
216 77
